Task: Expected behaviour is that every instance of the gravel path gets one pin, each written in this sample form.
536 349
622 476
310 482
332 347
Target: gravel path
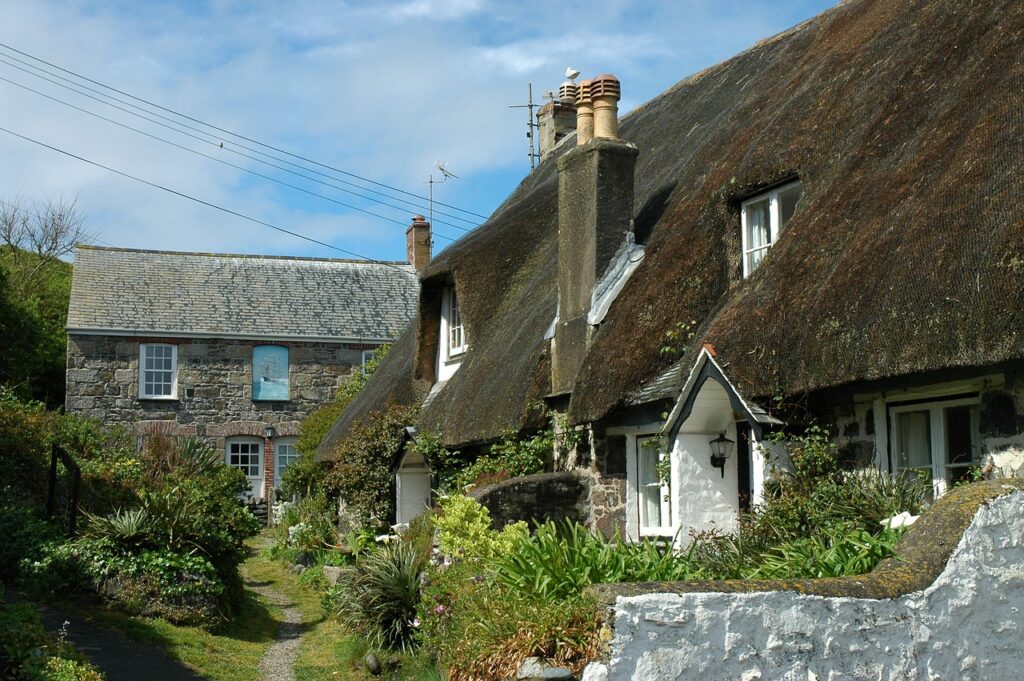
278 662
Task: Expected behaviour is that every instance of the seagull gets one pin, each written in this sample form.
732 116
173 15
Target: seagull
572 74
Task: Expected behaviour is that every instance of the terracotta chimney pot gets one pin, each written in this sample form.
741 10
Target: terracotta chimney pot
584 114
605 91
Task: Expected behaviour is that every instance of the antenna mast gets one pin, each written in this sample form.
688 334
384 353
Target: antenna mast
445 176
530 124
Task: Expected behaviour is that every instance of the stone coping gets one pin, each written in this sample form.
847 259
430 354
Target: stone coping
921 555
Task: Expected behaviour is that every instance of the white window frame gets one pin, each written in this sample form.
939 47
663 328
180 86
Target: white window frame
143 394
664 491
367 356
288 441
940 465
451 323
774 221
634 529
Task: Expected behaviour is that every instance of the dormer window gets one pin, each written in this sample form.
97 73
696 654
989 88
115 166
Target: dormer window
763 218
452 343
456 335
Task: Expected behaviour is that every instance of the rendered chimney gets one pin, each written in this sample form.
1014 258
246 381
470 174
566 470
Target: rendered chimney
605 91
584 114
595 213
557 119
417 243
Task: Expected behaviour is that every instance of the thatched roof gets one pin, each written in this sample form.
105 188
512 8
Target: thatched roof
904 120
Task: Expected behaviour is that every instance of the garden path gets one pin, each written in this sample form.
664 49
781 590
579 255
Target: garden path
278 663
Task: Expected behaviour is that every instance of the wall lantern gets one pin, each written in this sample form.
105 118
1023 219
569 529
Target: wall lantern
721 448
271 432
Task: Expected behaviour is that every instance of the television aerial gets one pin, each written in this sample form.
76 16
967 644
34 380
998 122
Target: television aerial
445 176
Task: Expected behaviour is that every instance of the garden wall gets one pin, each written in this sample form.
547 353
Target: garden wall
950 608
558 497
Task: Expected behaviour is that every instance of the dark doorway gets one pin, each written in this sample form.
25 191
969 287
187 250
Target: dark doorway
743 465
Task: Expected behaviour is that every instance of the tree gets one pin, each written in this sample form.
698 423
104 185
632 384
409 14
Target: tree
35 286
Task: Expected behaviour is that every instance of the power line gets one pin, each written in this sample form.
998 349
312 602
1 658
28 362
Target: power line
210 142
212 158
234 134
205 203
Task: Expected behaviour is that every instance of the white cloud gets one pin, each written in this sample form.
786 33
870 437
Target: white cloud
379 89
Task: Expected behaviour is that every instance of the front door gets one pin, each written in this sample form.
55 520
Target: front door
246 454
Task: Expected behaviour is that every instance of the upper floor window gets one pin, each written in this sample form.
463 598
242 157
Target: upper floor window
764 217
453 317
158 371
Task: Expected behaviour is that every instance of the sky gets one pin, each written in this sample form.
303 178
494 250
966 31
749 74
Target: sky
374 90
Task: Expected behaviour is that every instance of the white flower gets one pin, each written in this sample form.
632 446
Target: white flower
900 520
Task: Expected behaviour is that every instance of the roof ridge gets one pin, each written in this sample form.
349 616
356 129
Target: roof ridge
119 249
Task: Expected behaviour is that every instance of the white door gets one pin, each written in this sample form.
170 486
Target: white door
246 454
413 487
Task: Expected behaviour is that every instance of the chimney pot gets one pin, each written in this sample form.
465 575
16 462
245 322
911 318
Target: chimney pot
584 114
605 91
417 243
567 92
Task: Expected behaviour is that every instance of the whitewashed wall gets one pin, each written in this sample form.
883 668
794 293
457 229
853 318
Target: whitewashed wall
969 624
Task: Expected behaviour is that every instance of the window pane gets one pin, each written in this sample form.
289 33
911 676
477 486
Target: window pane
788 199
648 484
758 225
915 442
754 258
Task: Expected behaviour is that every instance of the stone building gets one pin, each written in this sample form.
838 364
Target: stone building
233 349
826 227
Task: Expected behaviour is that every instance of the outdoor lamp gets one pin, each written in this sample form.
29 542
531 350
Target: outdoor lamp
271 432
721 448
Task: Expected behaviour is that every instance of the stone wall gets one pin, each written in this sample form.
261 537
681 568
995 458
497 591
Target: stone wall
536 498
949 609
214 385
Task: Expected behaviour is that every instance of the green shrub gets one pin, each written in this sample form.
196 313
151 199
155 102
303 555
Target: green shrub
379 595
24 532
834 553
464 530
27 652
361 474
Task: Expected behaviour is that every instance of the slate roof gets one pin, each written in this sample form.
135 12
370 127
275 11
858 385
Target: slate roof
904 121
139 292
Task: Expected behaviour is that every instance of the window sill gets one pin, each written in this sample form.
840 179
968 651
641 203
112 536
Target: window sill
158 398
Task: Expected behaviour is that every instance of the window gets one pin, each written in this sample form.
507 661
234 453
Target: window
269 372
367 356
763 218
654 498
939 440
286 454
158 371
245 454
456 335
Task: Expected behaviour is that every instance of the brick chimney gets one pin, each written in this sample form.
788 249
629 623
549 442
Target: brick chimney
417 243
557 118
595 213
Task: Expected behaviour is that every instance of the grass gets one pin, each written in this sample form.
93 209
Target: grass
232 651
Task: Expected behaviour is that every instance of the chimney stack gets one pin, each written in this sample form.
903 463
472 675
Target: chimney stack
557 118
417 243
584 114
595 215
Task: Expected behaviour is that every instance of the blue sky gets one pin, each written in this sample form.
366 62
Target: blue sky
379 89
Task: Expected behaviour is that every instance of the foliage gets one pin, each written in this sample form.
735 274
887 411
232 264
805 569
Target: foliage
515 454
24 532
464 530
27 652
378 596
557 562
157 582
677 339
35 286
832 553
361 473
312 523
304 475
481 629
